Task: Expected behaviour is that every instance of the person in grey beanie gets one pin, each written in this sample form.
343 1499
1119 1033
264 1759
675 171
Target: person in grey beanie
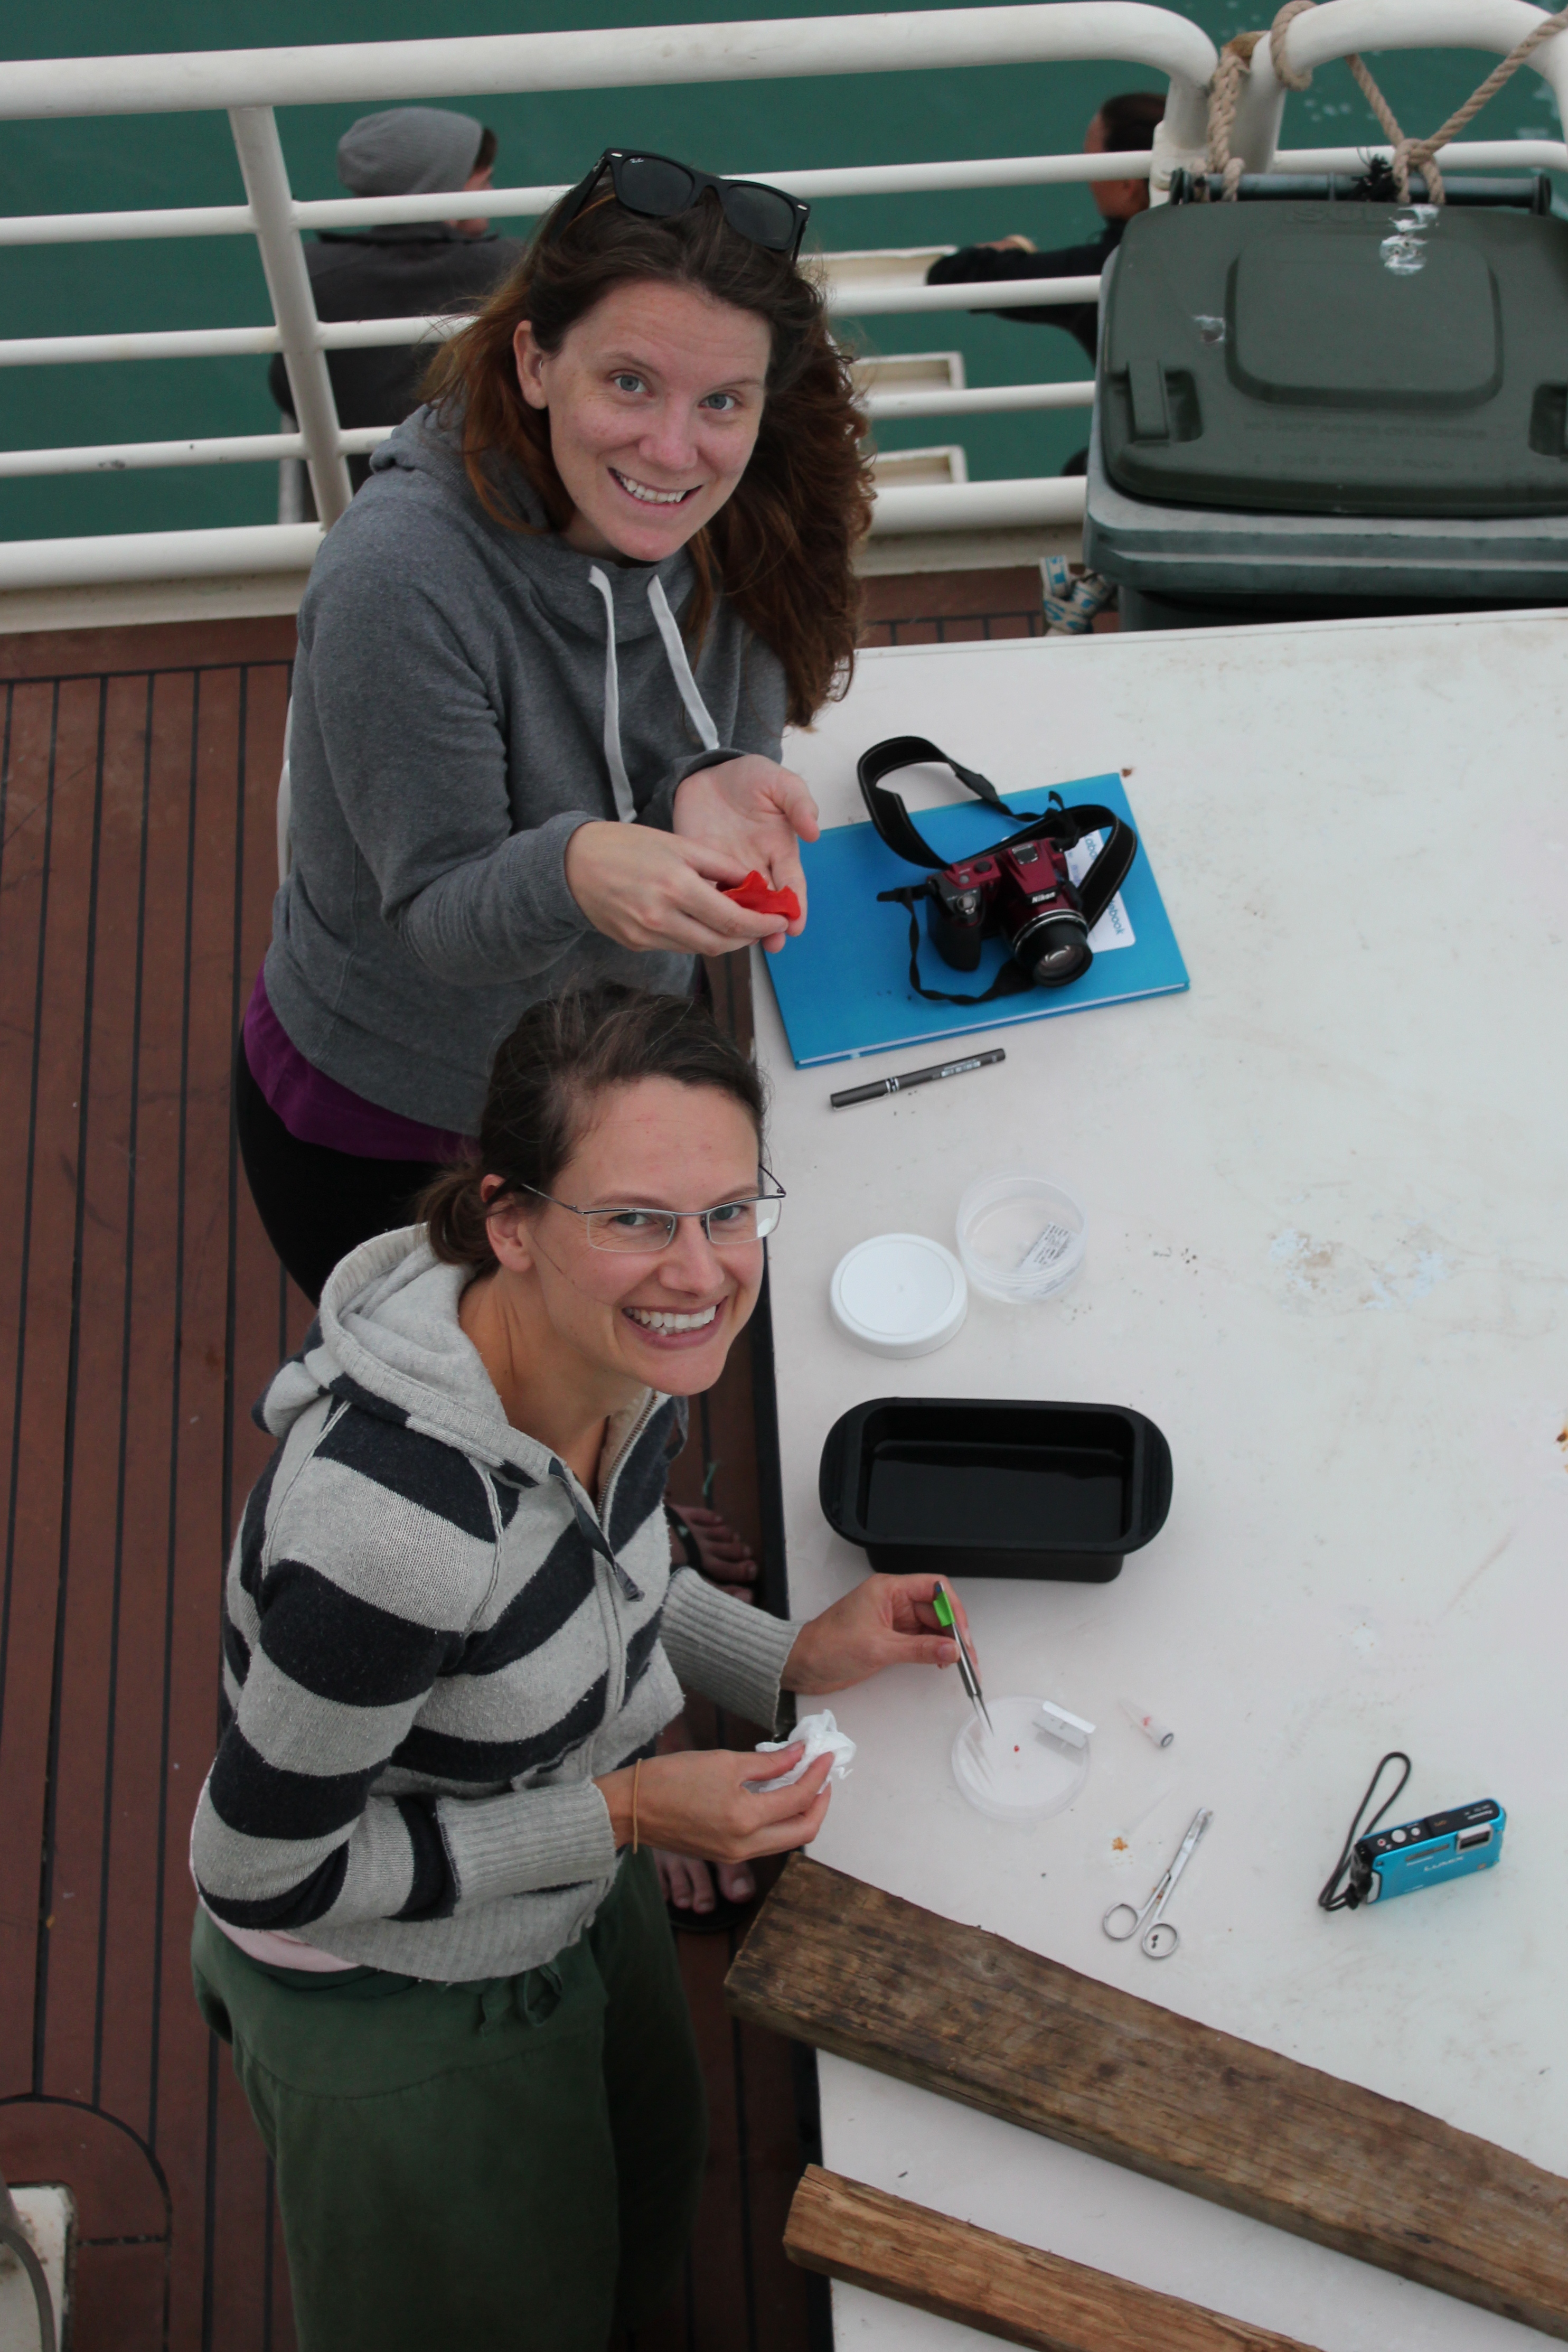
405 269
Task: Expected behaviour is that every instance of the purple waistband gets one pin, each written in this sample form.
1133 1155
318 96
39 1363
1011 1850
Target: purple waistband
316 1109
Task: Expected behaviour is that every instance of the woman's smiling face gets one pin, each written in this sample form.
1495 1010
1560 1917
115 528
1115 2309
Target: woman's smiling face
654 400
662 1319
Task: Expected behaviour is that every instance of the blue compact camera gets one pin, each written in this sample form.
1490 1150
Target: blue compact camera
1425 1853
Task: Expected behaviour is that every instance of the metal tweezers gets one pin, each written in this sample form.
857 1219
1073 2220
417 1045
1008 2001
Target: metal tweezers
967 1674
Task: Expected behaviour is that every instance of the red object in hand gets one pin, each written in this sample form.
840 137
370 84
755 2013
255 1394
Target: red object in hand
755 895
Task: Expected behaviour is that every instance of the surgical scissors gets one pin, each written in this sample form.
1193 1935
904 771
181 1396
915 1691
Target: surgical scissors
1159 1939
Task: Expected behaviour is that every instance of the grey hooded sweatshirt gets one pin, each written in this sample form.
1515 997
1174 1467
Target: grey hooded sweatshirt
466 697
434 1638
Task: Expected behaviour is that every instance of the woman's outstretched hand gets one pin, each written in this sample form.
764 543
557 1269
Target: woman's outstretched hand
756 811
698 1803
647 888
887 1621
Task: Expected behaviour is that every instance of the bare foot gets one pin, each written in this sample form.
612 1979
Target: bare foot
688 1884
724 1556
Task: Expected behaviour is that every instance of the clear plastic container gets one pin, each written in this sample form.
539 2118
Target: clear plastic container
1020 1237
1020 1773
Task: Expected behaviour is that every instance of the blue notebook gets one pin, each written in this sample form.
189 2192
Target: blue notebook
844 985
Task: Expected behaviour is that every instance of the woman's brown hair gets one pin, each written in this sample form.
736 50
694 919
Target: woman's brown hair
563 1053
782 546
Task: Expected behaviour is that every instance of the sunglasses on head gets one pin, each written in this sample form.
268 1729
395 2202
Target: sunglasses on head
658 187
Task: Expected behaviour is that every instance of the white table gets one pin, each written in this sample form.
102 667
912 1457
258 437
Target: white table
1328 1208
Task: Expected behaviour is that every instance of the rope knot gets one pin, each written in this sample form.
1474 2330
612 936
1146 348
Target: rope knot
1410 154
1285 74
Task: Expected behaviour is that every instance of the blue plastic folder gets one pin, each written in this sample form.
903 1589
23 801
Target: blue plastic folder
844 985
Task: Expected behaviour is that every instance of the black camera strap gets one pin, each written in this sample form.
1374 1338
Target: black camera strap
1334 1896
887 811
1009 981
1065 827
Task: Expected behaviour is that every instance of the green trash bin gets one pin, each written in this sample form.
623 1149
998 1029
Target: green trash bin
1307 407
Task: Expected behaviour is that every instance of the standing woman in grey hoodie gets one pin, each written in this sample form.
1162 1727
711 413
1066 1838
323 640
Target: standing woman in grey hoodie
544 664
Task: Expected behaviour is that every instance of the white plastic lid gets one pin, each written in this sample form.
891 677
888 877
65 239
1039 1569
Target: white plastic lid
899 1295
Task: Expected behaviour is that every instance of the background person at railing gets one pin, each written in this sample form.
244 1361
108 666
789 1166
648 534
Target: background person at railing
409 269
545 662
1122 124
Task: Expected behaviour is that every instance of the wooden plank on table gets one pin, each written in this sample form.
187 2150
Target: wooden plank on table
873 1979
983 2280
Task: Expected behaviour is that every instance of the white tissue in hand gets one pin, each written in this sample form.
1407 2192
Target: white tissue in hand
822 1737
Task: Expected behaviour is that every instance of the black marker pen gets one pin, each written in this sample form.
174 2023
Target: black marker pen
915 1078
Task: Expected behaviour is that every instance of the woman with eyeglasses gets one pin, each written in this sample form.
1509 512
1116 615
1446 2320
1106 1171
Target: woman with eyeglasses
544 664
430 1926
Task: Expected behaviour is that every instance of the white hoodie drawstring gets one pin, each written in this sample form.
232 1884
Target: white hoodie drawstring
675 655
681 668
619 781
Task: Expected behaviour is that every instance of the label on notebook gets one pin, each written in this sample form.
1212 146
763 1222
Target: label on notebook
1113 930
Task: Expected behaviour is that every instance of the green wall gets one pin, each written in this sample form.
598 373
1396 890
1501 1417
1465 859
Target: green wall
750 126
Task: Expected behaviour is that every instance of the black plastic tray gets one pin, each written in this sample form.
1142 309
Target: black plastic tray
996 1486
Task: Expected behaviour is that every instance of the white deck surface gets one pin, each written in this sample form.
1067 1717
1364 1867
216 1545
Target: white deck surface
1327 1194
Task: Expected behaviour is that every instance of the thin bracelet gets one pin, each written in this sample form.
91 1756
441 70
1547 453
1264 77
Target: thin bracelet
636 1776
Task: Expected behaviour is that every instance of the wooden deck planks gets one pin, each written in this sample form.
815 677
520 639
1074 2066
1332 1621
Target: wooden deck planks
191 2108
973 2018
73 1941
850 2231
136 872
48 894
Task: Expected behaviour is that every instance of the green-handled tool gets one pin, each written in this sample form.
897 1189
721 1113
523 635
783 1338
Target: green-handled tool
967 1674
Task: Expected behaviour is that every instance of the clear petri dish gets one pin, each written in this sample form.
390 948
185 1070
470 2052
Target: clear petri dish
1020 1237
1021 1774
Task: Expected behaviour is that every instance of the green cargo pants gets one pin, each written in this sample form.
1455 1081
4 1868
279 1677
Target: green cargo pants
511 2166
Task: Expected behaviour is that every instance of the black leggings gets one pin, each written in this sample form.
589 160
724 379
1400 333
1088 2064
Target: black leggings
316 1204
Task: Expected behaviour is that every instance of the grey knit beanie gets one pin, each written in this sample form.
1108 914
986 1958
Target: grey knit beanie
409 151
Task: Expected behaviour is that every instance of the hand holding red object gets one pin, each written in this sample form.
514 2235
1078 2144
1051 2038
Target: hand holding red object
756 814
756 897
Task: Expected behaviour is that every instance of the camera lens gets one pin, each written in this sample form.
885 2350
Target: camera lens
1054 949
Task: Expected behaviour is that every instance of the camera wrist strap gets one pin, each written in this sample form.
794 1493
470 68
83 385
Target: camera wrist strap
1334 1897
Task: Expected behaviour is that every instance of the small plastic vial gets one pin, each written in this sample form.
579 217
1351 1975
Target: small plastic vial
1149 1725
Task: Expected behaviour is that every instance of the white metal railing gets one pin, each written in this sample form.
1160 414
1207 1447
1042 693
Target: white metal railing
867 297
250 84
624 58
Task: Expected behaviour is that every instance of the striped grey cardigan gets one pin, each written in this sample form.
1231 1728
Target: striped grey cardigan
434 1638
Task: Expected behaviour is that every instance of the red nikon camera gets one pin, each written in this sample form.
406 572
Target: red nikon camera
1021 889
1024 894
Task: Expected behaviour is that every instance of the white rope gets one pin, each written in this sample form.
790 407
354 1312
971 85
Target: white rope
1410 154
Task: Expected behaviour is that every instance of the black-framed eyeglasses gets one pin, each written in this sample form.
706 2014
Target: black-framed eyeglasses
658 187
645 1233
